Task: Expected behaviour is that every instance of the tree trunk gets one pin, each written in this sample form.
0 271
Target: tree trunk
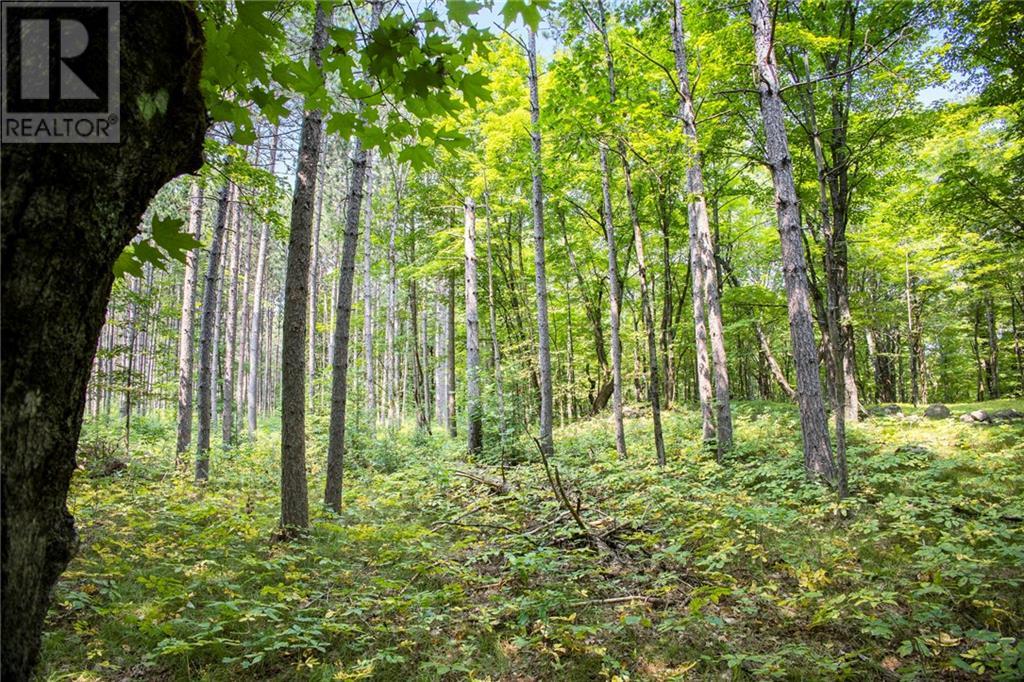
314 280
992 363
474 416
186 332
773 364
702 259
450 355
207 332
495 346
227 420
391 329
67 213
257 311
613 298
294 491
540 272
371 387
817 448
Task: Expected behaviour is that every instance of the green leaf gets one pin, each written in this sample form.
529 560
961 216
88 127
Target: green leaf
169 237
459 11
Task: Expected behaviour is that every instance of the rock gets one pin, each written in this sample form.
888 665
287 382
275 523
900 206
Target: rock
1009 414
979 416
936 411
886 411
966 418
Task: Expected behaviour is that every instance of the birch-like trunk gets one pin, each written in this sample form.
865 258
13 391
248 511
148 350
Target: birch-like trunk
474 417
368 367
539 261
702 257
186 332
613 300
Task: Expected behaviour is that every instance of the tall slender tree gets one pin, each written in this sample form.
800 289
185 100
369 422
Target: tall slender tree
474 417
255 328
186 338
539 261
294 491
818 461
702 256
343 319
206 330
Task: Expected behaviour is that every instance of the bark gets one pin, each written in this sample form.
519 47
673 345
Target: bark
913 338
391 322
314 280
368 367
474 416
540 273
702 261
233 232
450 359
818 461
207 332
773 364
257 312
992 362
67 213
294 491
613 297
186 332
495 346
343 320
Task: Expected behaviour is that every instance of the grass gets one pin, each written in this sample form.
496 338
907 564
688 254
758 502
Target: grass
739 570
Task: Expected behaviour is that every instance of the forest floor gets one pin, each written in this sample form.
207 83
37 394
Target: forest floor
697 570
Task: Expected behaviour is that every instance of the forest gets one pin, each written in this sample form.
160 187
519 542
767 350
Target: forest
528 340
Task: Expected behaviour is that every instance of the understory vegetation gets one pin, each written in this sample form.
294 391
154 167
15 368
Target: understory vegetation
435 570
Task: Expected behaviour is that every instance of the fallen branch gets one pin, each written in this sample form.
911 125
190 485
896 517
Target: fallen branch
501 487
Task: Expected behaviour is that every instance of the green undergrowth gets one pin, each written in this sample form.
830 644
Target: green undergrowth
739 570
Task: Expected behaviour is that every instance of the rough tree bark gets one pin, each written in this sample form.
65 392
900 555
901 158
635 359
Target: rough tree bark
705 282
474 417
207 328
294 491
814 425
540 273
343 319
186 338
67 213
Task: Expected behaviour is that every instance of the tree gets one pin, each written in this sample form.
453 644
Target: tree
294 494
474 417
702 261
67 213
343 317
814 425
186 342
540 273
211 296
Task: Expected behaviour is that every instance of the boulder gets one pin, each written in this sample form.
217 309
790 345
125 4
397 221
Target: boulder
1009 414
936 411
886 411
976 417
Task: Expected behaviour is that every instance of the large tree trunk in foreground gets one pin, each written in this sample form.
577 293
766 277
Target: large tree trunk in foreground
186 339
540 273
474 416
294 493
207 348
702 257
67 213
817 449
